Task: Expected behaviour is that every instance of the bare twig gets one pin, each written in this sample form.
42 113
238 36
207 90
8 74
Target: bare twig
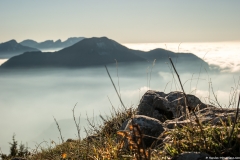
200 70
110 102
178 52
173 78
166 86
215 94
38 145
151 71
231 97
191 83
59 129
187 104
92 124
147 77
77 124
180 85
235 121
115 88
118 78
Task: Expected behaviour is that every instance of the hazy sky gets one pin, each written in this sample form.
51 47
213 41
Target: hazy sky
124 21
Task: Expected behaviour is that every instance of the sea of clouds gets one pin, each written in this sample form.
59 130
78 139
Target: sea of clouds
222 54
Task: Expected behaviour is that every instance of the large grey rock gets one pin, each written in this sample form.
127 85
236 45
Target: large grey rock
177 98
150 128
164 106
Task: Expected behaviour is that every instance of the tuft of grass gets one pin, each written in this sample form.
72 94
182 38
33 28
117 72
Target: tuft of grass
102 141
188 139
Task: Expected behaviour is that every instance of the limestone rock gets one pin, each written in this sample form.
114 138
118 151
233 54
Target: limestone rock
164 106
150 128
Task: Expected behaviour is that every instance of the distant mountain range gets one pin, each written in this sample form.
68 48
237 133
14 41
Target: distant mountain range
11 48
50 44
96 51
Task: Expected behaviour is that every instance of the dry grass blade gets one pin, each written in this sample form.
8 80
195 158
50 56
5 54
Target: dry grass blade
118 78
235 121
115 87
77 124
59 129
154 61
186 100
215 96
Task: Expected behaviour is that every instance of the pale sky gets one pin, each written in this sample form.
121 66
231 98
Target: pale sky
135 21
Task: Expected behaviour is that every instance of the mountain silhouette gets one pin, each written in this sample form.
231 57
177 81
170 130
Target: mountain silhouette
50 44
163 55
11 48
98 51
88 52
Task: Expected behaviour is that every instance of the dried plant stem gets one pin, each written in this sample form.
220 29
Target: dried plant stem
178 52
147 77
118 78
187 104
59 129
235 121
137 134
173 78
141 138
115 88
215 96
151 71
200 71
186 101
191 83
77 124
166 86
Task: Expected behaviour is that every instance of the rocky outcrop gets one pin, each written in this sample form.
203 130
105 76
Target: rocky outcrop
159 112
164 106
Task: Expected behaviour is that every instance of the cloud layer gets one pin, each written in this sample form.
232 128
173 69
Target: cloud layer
222 54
